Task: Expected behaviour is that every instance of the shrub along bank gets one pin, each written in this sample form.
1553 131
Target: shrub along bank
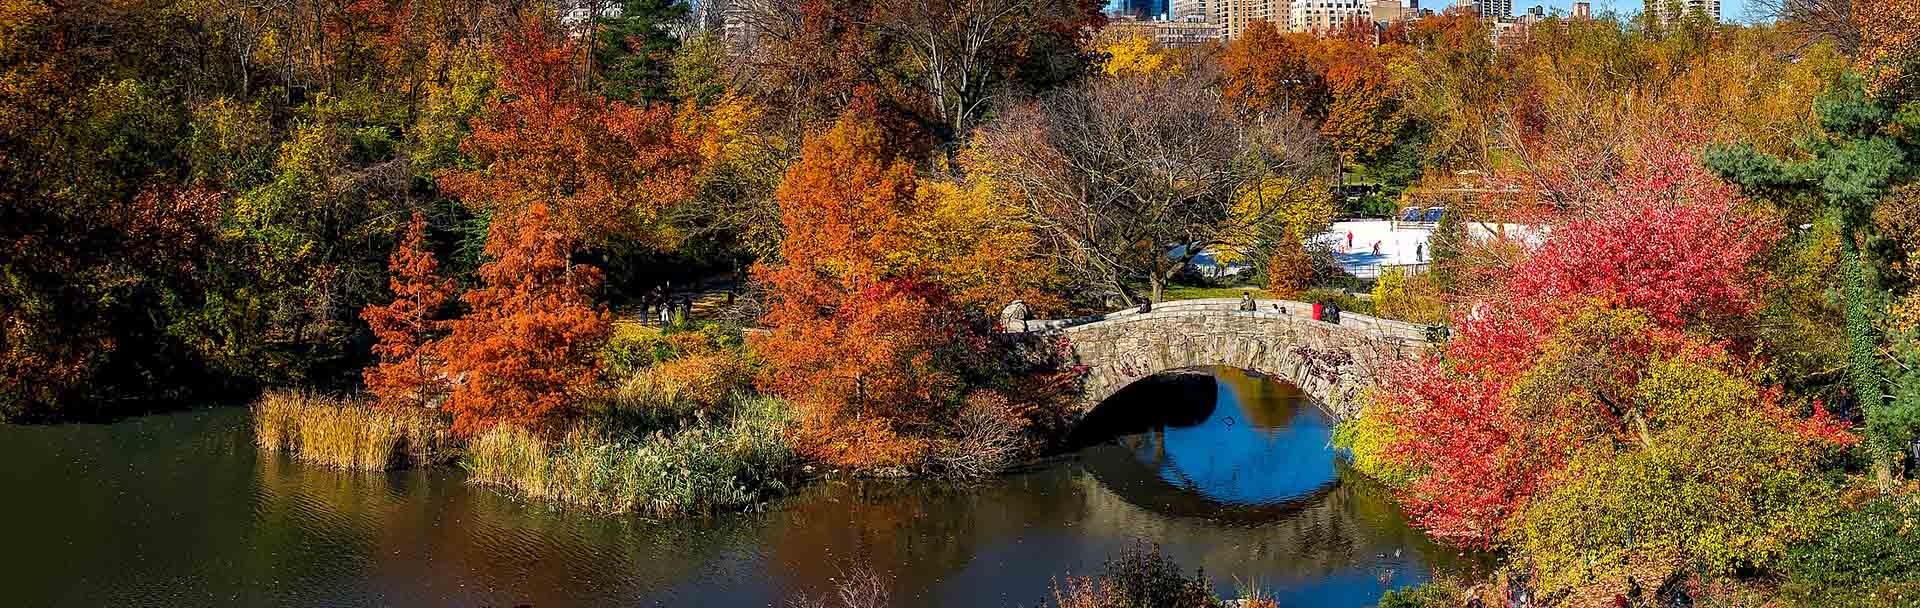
733 458
672 427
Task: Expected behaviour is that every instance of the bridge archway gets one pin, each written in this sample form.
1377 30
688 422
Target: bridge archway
1333 363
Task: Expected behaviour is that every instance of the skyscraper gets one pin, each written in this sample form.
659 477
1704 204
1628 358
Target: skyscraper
1495 9
1138 9
1190 10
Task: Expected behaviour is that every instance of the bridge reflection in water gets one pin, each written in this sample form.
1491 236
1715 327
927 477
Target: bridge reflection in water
1256 453
1220 454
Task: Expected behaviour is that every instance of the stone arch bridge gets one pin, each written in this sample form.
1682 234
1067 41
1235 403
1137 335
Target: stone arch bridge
1332 363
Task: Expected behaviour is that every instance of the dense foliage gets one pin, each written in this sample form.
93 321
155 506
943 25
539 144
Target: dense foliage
1868 557
1677 269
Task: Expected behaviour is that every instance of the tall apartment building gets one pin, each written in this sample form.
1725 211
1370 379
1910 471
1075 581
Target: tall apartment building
1233 16
1495 9
577 13
1326 15
1582 10
1672 10
1388 11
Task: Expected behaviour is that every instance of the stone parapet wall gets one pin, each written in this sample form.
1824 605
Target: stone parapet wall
1333 363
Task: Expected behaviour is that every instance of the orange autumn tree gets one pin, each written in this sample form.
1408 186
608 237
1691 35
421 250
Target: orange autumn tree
1290 268
863 336
1362 117
405 375
530 345
1267 69
606 170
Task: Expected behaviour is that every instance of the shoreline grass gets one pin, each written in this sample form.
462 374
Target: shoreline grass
348 434
728 464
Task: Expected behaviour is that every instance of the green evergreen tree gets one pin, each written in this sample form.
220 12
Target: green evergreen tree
1871 145
635 50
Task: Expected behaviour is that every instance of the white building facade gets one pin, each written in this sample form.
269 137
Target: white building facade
1323 16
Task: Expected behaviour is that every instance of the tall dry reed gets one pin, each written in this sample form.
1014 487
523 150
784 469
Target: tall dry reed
349 434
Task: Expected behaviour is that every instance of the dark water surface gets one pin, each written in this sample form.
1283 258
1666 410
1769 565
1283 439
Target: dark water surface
1231 473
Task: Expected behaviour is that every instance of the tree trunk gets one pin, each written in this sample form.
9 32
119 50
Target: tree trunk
1640 427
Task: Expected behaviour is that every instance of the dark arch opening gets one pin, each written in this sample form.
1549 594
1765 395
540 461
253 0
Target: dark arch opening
1219 443
1178 398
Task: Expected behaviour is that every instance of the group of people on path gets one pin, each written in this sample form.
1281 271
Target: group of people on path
661 304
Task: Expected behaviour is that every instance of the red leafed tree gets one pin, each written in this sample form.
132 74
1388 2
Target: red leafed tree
406 375
1670 238
531 343
1538 368
605 170
1456 430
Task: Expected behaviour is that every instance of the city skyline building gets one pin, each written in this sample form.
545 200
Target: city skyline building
1233 16
1670 11
1138 9
1495 9
1389 11
1326 15
1190 10
1167 33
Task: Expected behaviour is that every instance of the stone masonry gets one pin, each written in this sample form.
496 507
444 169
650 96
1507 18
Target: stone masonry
1331 363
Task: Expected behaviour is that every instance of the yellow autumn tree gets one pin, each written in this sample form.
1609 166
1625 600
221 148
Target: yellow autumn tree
1889 42
1362 117
1133 55
1293 211
971 241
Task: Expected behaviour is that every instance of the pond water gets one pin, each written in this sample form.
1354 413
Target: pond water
1227 472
